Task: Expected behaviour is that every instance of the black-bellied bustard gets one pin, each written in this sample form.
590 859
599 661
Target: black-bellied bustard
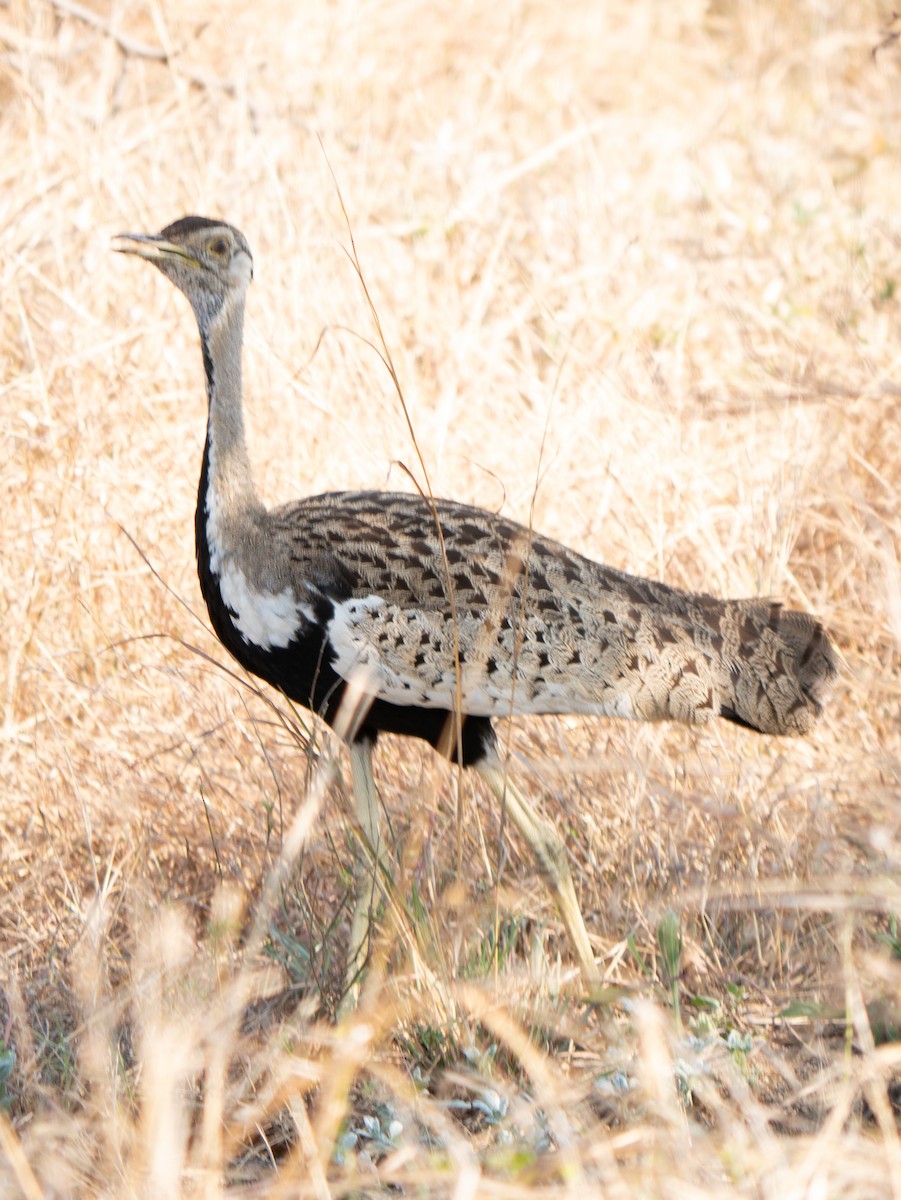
438 617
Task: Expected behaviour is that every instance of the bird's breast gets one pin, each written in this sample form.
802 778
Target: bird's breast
269 620
264 615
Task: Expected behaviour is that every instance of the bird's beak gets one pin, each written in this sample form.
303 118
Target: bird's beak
151 246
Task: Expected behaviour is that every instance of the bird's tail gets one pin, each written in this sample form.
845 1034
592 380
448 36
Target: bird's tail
779 667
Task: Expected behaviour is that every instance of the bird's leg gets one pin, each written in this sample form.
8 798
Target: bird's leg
550 854
367 867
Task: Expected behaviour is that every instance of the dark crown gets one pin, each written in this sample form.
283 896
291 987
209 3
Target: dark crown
186 225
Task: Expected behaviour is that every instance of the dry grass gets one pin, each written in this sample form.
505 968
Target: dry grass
638 264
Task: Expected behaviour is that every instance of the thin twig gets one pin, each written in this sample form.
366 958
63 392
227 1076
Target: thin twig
384 352
125 43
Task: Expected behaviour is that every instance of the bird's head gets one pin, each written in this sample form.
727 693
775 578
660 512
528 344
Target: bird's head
208 260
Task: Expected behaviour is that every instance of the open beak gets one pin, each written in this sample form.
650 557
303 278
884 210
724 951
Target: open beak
151 246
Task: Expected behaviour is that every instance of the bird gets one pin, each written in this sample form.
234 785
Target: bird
397 613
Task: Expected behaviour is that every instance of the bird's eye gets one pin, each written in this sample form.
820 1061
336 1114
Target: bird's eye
219 247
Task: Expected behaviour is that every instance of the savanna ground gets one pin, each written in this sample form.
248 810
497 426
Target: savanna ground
638 268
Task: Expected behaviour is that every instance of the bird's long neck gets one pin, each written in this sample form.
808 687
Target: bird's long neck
227 487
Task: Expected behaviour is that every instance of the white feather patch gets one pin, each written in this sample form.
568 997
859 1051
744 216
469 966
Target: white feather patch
264 618
269 620
353 634
355 656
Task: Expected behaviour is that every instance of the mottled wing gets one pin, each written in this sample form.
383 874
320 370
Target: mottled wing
529 625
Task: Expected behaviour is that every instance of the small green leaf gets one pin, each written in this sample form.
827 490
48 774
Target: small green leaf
669 939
